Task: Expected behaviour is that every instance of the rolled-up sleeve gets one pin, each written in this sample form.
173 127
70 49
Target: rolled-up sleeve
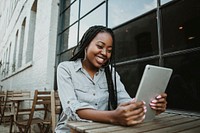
69 101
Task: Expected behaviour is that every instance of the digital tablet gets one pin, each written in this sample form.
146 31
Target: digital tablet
154 82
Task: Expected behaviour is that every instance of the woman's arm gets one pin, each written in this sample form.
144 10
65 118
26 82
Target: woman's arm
126 114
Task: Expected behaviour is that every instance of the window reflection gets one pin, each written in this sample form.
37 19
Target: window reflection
131 75
69 38
184 87
97 17
181 25
70 15
65 4
164 1
87 5
137 38
66 55
120 11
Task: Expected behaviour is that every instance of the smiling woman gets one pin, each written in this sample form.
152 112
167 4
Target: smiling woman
90 89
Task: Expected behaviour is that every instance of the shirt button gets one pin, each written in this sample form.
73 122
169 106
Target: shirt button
93 94
96 104
68 102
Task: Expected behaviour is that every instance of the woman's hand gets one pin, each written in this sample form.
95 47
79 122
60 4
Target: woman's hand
160 103
130 113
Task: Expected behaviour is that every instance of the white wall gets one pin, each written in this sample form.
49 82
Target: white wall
38 73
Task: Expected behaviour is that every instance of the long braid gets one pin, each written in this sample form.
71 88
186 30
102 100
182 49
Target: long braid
85 41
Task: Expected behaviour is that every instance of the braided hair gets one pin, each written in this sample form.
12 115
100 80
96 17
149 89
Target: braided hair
79 52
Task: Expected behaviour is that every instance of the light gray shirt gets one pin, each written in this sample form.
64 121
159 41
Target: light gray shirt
77 90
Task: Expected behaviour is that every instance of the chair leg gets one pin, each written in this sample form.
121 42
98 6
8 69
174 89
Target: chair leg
11 123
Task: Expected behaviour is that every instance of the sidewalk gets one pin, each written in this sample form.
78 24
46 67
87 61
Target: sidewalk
4 129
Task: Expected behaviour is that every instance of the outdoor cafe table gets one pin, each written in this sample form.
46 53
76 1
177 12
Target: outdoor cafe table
16 103
171 121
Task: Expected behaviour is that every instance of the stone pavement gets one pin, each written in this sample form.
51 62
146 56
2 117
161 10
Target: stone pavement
4 129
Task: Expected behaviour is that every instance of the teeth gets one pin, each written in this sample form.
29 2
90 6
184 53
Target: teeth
100 60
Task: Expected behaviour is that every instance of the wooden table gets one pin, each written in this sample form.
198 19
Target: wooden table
171 121
16 105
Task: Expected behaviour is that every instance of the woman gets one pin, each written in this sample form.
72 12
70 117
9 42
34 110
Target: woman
91 90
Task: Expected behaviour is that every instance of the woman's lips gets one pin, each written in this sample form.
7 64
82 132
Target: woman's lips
100 60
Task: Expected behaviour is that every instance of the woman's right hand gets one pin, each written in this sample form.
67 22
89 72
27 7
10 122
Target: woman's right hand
130 113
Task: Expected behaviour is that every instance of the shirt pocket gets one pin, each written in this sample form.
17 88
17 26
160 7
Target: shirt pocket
103 87
82 93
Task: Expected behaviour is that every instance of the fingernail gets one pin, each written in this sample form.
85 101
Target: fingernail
159 96
152 104
144 102
143 117
154 101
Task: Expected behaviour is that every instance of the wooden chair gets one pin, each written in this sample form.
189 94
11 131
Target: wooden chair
41 102
55 108
18 99
6 104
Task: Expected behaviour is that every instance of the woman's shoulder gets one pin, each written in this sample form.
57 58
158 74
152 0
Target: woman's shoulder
68 64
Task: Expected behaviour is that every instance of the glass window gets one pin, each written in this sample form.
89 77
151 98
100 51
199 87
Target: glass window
97 17
181 25
164 1
184 87
69 38
131 75
66 55
70 15
65 4
120 11
88 5
137 39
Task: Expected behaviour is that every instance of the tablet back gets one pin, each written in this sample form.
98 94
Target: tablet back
154 82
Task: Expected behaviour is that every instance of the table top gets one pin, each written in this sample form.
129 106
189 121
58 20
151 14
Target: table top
170 121
16 99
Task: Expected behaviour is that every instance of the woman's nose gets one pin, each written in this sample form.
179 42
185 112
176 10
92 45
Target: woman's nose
104 51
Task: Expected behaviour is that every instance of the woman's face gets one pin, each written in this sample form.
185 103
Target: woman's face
99 50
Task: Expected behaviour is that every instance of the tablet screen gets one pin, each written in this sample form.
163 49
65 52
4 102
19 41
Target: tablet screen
154 82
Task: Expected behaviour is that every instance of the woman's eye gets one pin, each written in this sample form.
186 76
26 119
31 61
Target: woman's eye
109 51
99 46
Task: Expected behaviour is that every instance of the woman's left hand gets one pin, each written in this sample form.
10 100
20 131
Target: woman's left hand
159 104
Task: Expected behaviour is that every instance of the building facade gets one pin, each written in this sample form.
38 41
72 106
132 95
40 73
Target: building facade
39 34
28 43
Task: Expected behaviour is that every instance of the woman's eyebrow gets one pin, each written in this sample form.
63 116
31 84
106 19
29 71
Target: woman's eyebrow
103 43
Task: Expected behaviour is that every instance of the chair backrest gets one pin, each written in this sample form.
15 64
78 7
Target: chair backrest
55 108
41 102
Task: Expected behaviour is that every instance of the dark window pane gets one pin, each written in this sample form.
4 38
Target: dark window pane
138 38
184 88
70 15
66 55
64 4
181 25
88 5
69 38
131 75
120 11
97 17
